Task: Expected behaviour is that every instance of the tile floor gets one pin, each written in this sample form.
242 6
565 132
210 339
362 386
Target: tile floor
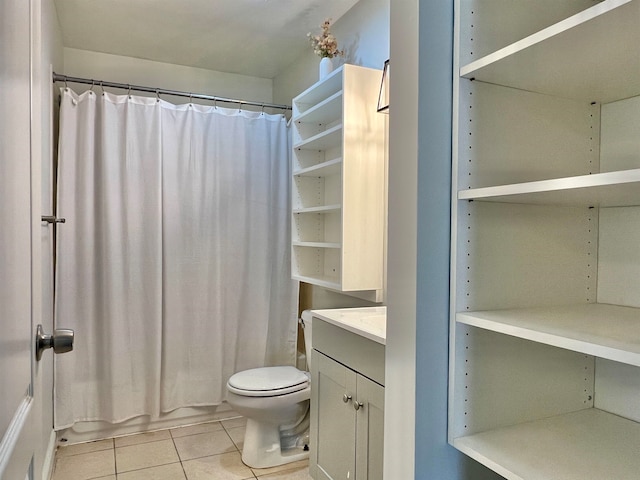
208 451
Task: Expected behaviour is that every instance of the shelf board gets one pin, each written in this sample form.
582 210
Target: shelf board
316 244
321 280
329 110
320 90
589 444
580 57
319 209
606 331
609 189
329 138
324 169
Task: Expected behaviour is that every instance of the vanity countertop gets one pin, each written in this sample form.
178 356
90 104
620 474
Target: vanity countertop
369 322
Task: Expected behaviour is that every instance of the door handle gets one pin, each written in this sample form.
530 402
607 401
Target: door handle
61 341
358 405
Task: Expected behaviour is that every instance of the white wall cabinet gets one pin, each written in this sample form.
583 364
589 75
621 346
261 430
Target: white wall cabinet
347 407
338 187
545 288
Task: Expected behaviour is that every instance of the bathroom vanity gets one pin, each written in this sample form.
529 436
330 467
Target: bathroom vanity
347 393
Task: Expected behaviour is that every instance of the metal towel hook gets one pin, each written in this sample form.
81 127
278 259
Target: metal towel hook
129 90
102 87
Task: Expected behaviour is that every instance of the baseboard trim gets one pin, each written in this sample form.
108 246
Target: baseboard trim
50 454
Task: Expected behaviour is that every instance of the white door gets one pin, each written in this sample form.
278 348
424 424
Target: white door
16 337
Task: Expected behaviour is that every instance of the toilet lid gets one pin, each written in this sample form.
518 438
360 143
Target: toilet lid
267 381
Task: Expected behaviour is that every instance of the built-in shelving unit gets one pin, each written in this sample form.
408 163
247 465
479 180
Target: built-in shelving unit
545 289
338 202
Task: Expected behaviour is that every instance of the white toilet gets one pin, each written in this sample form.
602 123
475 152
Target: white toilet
275 401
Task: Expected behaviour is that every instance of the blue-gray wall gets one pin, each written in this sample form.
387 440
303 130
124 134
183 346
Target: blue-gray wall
434 458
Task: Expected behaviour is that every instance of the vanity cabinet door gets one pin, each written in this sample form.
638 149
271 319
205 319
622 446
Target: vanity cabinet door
370 430
334 419
347 423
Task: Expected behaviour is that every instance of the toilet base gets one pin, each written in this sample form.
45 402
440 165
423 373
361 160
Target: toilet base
261 447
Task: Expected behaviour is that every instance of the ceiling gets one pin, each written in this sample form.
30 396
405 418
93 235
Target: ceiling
250 37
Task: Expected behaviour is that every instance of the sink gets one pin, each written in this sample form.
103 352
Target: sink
369 322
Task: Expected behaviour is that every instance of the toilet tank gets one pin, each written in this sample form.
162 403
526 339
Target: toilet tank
306 324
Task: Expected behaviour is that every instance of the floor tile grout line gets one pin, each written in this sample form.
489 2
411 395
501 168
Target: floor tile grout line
148 467
179 457
184 471
231 438
142 443
206 456
143 468
115 458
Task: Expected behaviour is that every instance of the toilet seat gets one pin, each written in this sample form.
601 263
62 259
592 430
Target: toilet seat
268 381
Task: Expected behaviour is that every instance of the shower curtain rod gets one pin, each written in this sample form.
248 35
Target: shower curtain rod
125 86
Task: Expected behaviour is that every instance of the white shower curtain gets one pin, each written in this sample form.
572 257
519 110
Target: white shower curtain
173 263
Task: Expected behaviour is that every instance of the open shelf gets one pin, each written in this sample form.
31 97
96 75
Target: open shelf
316 244
605 331
319 91
327 139
579 57
320 209
324 169
610 189
321 280
326 111
589 444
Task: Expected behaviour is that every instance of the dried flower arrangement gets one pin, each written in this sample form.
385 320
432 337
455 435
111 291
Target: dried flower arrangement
325 44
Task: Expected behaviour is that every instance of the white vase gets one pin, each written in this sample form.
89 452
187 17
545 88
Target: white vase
326 67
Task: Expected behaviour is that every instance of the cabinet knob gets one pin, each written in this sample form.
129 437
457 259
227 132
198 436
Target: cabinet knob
357 405
346 398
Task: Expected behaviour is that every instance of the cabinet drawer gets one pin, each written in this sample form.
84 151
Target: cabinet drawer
358 353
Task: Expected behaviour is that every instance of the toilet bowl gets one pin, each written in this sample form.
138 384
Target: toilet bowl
275 401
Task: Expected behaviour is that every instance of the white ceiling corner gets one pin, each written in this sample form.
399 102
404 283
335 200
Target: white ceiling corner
249 37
